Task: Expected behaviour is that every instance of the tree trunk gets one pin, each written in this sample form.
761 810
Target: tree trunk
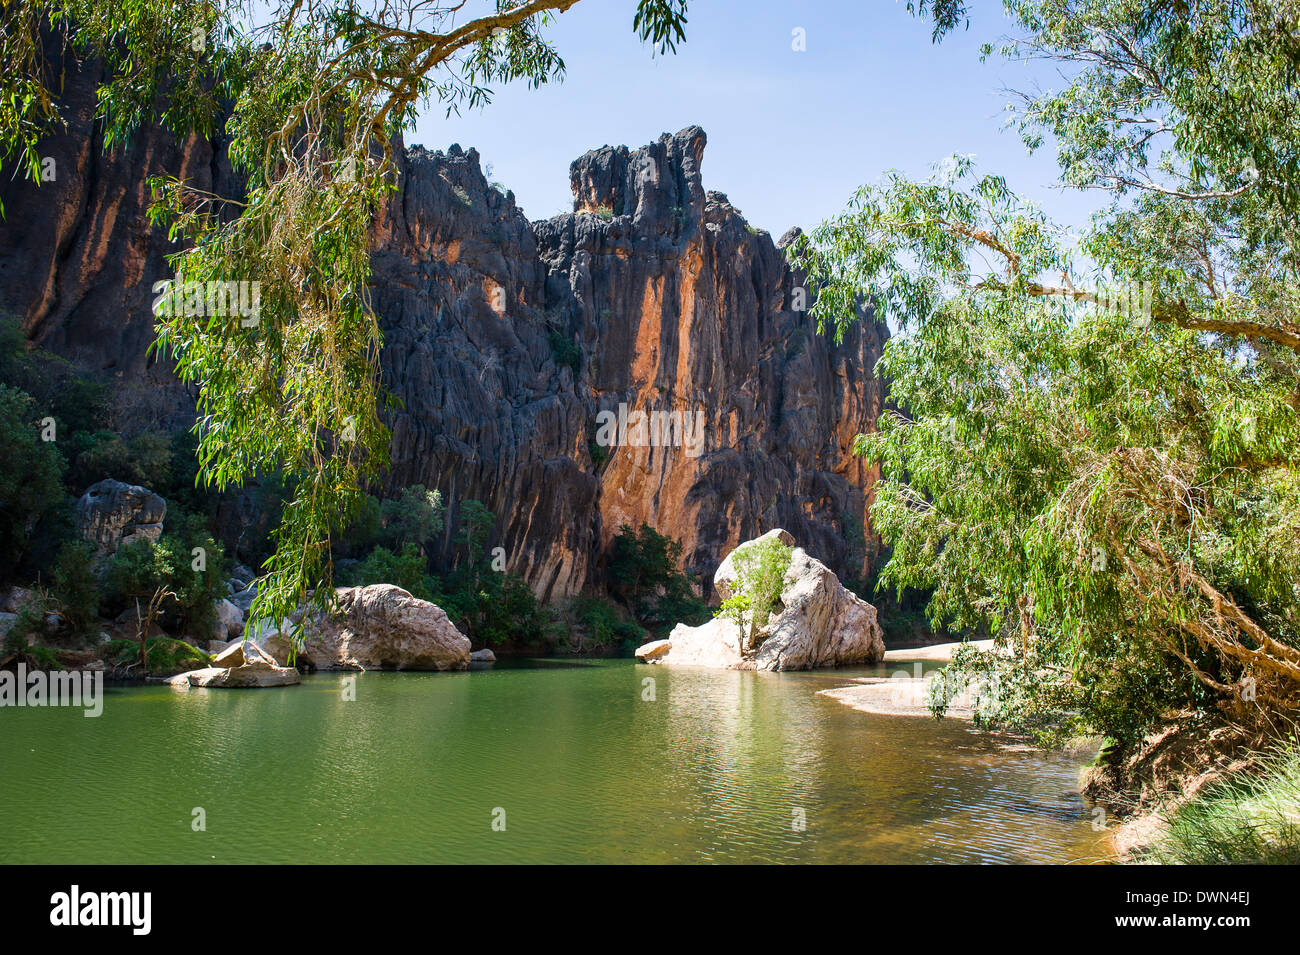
142 634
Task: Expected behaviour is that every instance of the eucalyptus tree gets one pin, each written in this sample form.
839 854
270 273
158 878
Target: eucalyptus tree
311 96
1095 448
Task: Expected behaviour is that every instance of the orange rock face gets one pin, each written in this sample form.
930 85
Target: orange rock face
667 303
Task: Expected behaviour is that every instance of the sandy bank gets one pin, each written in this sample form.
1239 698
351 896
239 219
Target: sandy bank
936 653
894 696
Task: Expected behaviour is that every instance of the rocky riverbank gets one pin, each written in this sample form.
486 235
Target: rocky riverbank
372 627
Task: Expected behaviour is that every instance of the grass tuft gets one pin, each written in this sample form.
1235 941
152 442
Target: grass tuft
1251 820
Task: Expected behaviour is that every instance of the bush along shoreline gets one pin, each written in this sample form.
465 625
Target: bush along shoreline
1248 818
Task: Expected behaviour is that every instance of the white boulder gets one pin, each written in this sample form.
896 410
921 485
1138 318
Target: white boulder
242 665
817 622
378 627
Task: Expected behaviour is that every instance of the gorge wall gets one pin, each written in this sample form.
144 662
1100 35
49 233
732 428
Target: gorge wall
667 298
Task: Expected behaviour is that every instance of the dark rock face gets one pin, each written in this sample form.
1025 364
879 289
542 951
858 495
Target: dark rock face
111 514
78 257
505 340
487 413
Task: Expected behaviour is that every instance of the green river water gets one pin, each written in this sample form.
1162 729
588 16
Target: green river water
721 766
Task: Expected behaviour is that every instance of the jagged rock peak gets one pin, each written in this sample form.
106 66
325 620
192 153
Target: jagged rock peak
655 181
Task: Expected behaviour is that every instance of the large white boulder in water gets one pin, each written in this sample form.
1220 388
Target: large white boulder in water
378 627
818 622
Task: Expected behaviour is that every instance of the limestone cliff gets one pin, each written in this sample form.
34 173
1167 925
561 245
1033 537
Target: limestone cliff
505 340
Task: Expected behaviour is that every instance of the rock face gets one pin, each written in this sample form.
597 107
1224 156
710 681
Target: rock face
666 301
15 599
243 600
818 623
111 514
379 627
78 257
506 340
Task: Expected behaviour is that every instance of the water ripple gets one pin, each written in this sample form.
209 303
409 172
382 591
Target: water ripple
538 764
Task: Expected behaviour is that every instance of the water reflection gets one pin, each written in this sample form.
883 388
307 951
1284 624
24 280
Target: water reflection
587 763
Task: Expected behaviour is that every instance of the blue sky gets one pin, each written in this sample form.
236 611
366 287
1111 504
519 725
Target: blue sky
791 134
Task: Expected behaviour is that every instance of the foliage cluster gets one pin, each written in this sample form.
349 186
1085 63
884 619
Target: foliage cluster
760 568
643 574
1093 454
